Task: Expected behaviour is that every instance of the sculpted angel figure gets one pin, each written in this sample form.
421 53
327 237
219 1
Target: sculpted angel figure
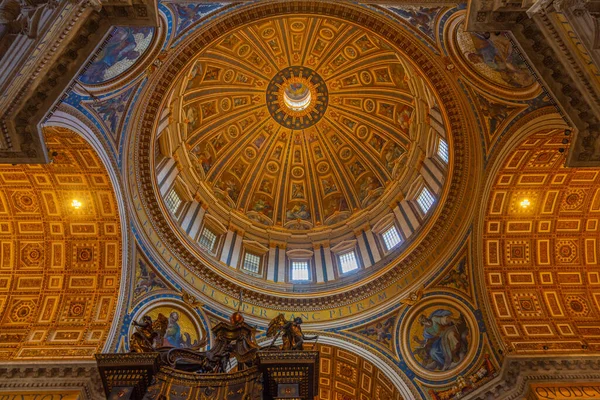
413 298
291 331
149 334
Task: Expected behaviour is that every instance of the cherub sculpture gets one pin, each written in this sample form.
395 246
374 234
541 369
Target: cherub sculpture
291 332
149 334
413 298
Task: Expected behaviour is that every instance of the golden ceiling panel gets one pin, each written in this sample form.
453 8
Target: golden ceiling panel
300 131
541 250
60 265
344 375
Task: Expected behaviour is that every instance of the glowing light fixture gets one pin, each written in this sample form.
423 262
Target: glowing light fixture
525 203
76 204
297 96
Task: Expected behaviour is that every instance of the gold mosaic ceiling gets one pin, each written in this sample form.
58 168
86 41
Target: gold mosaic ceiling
302 122
344 375
60 267
541 256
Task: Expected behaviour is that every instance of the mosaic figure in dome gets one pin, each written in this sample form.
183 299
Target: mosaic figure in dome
297 191
195 76
205 158
208 109
187 14
376 142
146 280
335 204
174 336
329 185
400 76
177 330
494 56
263 205
364 44
239 168
382 75
212 74
192 118
218 143
356 168
494 113
421 18
367 187
444 340
298 211
403 117
229 186
335 140
381 331
122 50
318 152
111 110
457 277
259 141
392 156
266 186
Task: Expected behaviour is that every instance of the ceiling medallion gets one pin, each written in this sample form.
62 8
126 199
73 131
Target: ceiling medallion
297 97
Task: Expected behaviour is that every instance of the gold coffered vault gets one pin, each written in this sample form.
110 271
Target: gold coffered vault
281 199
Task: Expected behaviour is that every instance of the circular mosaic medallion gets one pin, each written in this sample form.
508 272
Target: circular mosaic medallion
297 97
439 337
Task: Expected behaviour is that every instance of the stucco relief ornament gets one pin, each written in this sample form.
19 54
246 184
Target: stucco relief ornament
413 298
578 7
21 17
191 300
157 63
540 7
543 7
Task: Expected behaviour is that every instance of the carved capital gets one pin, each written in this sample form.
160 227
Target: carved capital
570 5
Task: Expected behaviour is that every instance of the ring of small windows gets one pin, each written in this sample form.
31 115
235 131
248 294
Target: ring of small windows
251 263
348 262
425 200
300 271
442 150
391 238
207 239
173 201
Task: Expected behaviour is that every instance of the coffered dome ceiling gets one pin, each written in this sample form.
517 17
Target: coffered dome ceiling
301 135
302 123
